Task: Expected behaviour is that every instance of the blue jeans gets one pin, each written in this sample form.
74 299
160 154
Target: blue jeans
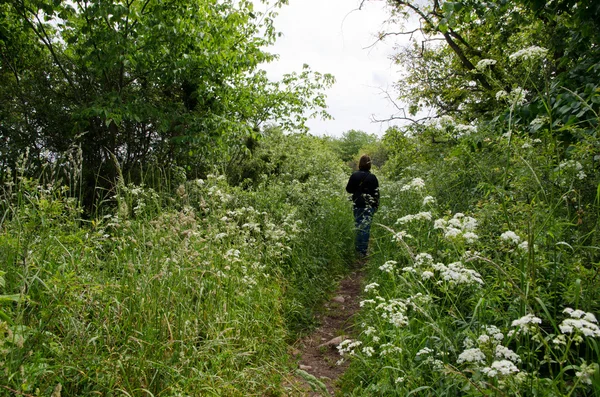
362 222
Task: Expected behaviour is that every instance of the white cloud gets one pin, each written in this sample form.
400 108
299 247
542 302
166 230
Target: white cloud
332 36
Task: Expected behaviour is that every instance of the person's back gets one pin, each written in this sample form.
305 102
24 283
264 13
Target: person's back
364 187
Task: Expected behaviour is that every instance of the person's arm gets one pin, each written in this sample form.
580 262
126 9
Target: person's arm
352 184
376 195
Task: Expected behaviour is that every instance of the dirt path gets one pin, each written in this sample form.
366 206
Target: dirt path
318 351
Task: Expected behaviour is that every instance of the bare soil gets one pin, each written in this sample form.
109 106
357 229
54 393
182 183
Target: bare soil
318 352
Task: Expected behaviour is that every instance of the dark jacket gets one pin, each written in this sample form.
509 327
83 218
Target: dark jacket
364 187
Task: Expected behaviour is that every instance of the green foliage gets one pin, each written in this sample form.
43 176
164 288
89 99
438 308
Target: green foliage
190 291
485 276
352 142
136 84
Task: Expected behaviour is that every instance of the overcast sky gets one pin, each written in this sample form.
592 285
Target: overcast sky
331 36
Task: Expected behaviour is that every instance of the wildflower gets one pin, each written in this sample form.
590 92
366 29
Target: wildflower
452 232
388 266
511 237
428 200
401 235
371 286
426 275
586 372
388 348
501 95
423 259
493 331
399 380
440 224
505 352
464 129
580 321
364 302
347 346
470 237
417 217
415 184
503 367
559 340
526 323
370 330
517 96
368 351
483 339
471 356
424 351
524 246
529 53
484 63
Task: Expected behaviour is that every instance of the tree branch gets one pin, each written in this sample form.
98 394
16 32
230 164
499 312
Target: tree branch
43 36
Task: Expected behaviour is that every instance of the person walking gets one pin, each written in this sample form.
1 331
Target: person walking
364 187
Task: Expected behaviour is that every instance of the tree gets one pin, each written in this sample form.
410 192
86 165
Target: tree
464 54
138 83
352 141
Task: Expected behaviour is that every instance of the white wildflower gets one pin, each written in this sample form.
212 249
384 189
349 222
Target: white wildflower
364 302
471 356
415 184
484 63
424 351
423 259
511 237
388 266
371 286
440 224
470 237
428 200
501 95
502 367
586 372
529 53
368 351
526 323
585 323
426 275
483 339
505 352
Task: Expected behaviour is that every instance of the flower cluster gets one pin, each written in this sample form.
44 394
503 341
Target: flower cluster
529 53
517 96
414 217
428 200
415 184
489 350
580 322
388 266
460 226
347 347
526 324
572 167
514 239
485 63
454 273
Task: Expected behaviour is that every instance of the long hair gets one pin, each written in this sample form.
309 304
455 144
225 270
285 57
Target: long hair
364 164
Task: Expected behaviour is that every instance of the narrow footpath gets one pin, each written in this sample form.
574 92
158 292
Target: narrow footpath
318 371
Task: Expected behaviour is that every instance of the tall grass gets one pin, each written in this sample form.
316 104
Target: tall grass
194 291
484 279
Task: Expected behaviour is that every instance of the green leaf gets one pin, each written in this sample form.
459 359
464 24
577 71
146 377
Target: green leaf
10 298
